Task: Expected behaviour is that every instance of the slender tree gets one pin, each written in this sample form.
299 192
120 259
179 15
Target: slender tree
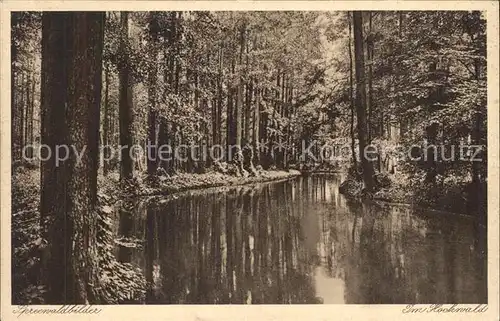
32 114
126 106
361 98
351 95
106 123
153 71
369 51
22 109
239 101
13 80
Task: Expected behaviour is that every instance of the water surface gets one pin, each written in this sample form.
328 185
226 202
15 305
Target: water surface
300 241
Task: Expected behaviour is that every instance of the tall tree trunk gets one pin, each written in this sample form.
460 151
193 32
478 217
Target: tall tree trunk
369 51
284 115
164 132
476 199
361 99
263 134
70 116
281 107
219 97
431 133
22 107
151 154
238 111
230 119
351 97
56 38
403 122
176 130
256 124
476 127
248 153
105 126
248 99
32 114
28 107
214 100
126 166
13 93
273 136
178 35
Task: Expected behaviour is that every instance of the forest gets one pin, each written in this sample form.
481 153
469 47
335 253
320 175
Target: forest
237 98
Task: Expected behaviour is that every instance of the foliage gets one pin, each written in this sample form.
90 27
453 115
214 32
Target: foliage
119 282
27 241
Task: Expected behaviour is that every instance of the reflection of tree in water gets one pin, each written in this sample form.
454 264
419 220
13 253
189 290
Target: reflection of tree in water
128 230
264 244
243 246
390 255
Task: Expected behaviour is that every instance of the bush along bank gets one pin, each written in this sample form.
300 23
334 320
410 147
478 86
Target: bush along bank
452 194
165 184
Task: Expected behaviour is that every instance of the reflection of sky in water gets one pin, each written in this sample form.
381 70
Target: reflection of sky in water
330 290
301 242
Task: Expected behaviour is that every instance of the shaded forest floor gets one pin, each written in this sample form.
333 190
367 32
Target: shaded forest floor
28 243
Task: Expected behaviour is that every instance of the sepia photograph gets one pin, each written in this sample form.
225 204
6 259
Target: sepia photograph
249 157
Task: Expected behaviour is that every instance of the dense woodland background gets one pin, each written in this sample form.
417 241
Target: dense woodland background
228 78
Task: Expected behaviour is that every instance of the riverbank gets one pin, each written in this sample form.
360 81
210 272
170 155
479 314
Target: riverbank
187 181
447 195
26 186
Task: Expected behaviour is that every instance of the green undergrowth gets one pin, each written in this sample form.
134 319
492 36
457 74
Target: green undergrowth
452 194
118 282
27 242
